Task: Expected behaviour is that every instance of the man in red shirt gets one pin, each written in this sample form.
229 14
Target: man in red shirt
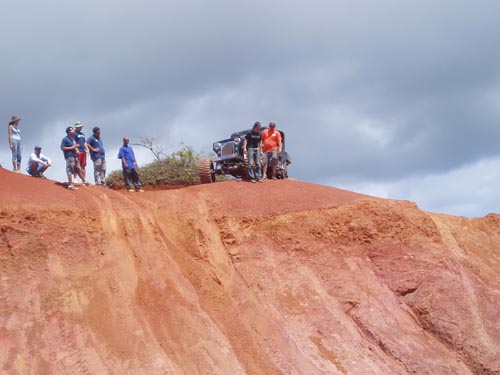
271 139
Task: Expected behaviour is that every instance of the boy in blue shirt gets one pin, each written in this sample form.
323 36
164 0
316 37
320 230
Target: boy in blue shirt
129 165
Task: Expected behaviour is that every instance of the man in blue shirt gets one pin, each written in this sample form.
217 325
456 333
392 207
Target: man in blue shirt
129 165
98 156
70 150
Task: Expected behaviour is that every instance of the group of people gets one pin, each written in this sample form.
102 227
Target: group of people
76 147
262 147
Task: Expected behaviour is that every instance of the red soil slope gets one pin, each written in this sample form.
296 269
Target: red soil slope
238 278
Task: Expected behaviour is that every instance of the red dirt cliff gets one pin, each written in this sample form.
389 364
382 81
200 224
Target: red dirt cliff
231 278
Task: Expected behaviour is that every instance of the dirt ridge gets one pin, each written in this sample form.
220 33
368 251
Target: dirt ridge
283 277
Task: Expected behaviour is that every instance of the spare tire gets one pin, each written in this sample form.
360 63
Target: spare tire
206 173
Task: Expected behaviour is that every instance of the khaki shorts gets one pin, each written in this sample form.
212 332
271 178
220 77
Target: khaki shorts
72 166
270 158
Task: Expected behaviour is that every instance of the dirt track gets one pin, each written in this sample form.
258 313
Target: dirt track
238 278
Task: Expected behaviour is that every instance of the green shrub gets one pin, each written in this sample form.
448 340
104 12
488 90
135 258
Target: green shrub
177 170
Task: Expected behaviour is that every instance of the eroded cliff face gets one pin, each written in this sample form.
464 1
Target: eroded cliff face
236 278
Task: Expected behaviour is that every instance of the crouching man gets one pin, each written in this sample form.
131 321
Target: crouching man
38 163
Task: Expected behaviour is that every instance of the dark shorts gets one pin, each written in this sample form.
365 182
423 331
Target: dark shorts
82 159
72 166
271 158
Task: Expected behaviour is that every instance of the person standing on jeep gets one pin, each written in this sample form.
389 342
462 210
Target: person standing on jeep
271 139
252 147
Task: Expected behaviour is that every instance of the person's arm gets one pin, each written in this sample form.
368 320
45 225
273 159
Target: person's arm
46 160
245 146
135 160
34 158
121 156
261 143
280 143
89 144
11 146
69 148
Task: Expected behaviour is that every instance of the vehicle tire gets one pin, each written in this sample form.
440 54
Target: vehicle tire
207 173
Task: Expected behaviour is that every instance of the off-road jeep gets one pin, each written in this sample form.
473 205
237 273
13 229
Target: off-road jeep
230 160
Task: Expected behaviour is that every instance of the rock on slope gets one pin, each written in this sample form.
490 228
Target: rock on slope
237 278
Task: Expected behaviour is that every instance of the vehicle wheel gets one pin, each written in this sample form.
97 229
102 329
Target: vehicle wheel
207 173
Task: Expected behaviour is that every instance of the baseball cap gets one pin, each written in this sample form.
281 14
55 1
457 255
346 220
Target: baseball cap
38 147
96 129
69 128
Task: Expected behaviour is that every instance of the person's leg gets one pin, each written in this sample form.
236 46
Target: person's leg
70 171
251 162
33 169
100 171
274 162
127 178
257 164
15 146
103 172
75 176
78 171
97 165
40 168
82 159
18 156
265 164
135 178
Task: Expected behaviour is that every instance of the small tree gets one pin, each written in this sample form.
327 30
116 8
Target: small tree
153 146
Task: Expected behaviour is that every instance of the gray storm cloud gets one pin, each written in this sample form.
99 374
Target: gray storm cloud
368 92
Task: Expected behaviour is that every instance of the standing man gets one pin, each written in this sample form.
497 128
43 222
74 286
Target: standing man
271 138
82 149
38 163
252 148
129 165
69 149
98 156
15 143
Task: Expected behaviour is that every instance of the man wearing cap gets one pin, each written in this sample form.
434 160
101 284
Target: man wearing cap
271 139
98 156
38 163
252 148
82 149
15 143
69 149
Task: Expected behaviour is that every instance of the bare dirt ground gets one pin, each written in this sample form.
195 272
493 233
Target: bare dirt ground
231 278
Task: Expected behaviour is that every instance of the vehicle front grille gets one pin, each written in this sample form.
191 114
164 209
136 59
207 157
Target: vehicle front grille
227 149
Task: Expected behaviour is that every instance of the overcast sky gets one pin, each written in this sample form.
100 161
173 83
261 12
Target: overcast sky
399 99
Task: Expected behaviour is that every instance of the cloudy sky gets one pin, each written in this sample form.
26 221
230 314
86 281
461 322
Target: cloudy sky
398 98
